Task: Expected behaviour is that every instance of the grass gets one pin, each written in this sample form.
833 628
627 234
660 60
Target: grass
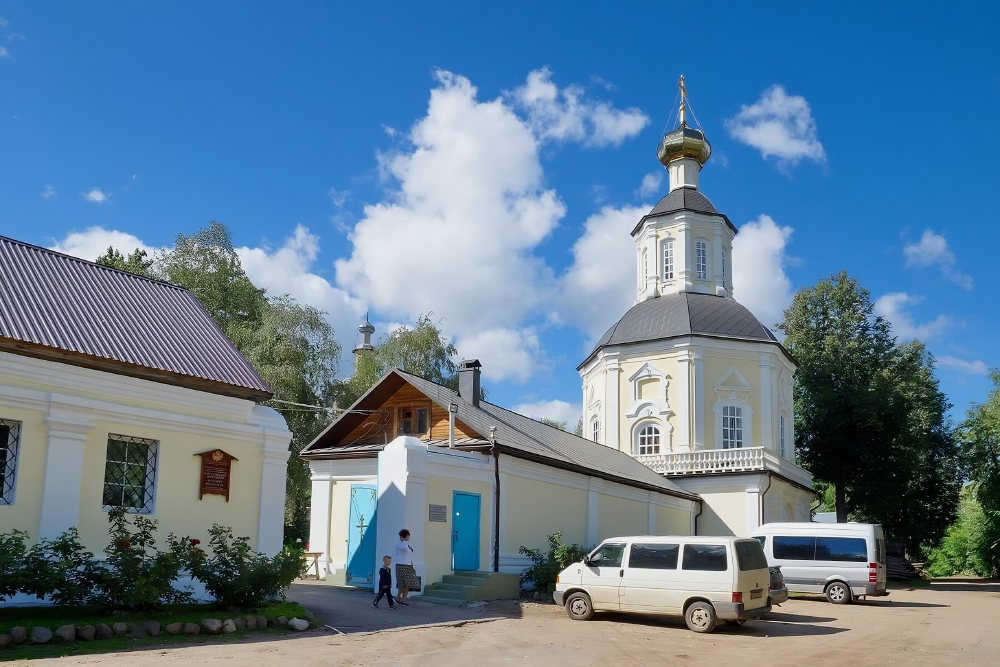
53 617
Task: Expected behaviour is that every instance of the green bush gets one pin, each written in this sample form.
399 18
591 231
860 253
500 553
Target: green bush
63 570
966 545
546 565
236 575
12 553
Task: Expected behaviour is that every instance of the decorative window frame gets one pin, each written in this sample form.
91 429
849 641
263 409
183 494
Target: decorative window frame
701 269
595 429
733 390
665 433
667 245
152 470
8 473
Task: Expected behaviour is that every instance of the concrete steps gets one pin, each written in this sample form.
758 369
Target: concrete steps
463 587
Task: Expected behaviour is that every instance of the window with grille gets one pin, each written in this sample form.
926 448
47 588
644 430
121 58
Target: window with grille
649 440
668 260
781 435
732 426
10 440
701 260
130 473
595 430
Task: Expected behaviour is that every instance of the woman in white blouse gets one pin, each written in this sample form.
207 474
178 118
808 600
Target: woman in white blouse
406 576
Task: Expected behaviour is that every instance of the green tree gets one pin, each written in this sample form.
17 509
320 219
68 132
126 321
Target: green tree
960 550
979 437
553 423
137 262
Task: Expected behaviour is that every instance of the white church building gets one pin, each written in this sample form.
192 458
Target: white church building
688 428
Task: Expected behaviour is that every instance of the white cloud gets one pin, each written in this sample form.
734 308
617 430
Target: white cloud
506 353
4 53
759 260
779 125
456 234
568 115
48 192
3 22
338 197
933 250
97 196
559 411
289 270
895 308
651 183
94 241
962 366
600 285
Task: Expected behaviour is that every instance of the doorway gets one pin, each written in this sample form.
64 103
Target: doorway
361 536
465 531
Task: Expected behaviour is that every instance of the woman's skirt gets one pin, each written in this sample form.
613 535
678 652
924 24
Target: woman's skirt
406 577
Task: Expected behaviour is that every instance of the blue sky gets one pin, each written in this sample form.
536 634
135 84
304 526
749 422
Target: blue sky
487 164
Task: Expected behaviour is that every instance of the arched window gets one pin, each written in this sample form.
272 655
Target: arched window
668 259
595 429
648 440
732 426
781 436
701 260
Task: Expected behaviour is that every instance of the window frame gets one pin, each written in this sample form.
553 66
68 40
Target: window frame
640 435
150 475
668 259
595 429
735 427
9 465
415 420
701 259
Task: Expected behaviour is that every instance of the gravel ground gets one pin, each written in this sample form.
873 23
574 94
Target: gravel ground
951 623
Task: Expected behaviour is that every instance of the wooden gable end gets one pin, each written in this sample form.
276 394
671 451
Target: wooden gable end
383 425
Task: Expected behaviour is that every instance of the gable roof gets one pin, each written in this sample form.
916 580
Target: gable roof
516 435
65 309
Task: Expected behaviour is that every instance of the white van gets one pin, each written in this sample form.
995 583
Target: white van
844 561
703 579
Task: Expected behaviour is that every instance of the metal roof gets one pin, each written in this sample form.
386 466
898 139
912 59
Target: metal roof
66 309
685 198
684 314
516 435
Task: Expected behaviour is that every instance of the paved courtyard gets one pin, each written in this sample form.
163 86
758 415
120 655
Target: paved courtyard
948 623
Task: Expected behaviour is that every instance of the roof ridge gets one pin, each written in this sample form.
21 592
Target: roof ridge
74 258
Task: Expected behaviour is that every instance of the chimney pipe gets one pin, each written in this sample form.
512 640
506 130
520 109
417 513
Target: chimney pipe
468 380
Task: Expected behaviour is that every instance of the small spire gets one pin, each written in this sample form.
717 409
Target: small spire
684 94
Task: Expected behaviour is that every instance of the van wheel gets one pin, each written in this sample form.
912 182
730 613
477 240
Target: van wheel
579 607
838 592
700 617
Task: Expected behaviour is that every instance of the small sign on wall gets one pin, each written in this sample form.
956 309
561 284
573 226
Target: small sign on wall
216 472
437 513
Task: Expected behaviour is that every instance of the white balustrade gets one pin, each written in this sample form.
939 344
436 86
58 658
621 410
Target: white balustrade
723 460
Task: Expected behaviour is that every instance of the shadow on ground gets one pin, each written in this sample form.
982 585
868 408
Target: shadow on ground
772 625
350 611
965 585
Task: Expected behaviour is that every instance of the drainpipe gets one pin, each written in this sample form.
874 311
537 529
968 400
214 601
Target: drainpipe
701 508
495 451
760 519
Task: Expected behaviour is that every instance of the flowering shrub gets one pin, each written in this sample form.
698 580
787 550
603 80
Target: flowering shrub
61 569
12 552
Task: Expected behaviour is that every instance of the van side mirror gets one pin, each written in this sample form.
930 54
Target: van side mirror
593 560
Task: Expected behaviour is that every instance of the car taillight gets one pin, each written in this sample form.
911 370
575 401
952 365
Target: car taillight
737 597
872 573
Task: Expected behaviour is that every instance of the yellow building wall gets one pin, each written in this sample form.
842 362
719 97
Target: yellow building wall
24 513
537 509
620 516
437 534
725 510
787 502
671 521
716 364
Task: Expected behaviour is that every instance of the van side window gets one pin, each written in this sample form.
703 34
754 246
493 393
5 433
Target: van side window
794 547
608 555
654 556
850 549
750 556
705 557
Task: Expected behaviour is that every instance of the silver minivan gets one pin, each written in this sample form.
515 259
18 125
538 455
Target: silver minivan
844 561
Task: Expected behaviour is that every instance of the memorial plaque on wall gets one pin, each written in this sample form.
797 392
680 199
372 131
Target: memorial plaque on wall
437 513
216 472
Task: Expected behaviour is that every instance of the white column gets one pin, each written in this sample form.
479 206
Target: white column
321 504
63 474
612 400
698 397
273 477
651 269
766 403
684 403
503 513
402 497
717 248
684 258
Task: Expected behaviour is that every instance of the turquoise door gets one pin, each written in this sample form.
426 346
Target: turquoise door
465 531
361 536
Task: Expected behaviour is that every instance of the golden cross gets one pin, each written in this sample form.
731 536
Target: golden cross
680 84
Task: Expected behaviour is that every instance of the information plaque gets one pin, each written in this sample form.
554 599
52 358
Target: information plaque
216 472
437 513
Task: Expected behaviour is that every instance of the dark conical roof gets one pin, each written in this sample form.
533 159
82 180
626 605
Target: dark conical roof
682 199
685 314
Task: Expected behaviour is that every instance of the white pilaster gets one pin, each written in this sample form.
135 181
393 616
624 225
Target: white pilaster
612 403
274 473
321 506
698 397
651 270
683 173
684 404
63 473
593 499
717 248
767 401
402 497
753 509
684 258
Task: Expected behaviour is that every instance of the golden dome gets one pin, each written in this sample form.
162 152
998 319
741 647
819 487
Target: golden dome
684 142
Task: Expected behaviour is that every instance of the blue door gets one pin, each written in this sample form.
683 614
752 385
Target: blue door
465 531
361 536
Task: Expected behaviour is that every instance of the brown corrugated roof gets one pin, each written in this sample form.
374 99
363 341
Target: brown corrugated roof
66 309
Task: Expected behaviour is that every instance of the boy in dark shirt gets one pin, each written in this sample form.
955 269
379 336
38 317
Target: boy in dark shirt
385 584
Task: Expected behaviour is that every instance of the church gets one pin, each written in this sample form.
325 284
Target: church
688 429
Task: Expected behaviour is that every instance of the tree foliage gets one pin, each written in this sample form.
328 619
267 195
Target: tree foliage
137 262
870 416
562 426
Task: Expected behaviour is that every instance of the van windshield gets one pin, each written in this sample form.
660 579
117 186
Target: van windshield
750 555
